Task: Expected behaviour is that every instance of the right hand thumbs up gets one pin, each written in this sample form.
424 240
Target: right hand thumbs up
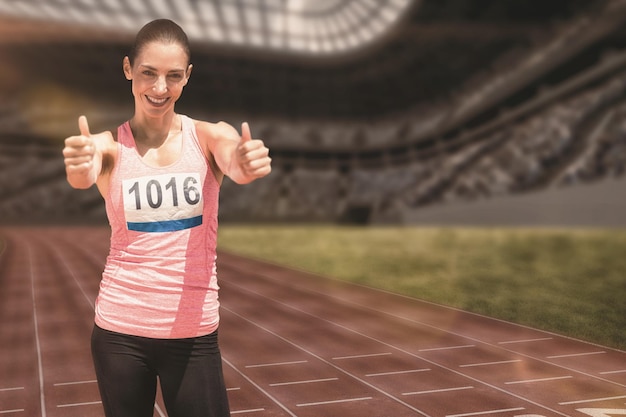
79 150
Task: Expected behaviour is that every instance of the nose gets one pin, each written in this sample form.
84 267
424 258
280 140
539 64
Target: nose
160 85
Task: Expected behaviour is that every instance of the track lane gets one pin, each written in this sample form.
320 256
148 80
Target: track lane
20 372
358 356
64 287
296 345
62 319
544 384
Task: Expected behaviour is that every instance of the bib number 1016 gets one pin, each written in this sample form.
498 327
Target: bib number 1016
169 189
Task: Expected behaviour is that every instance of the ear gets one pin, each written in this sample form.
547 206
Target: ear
128 69
188 73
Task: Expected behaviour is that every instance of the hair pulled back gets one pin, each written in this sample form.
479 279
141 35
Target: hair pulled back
159 30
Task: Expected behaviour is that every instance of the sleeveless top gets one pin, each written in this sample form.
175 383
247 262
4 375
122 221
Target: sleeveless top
160 278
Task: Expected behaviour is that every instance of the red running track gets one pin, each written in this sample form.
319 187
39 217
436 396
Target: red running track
295 344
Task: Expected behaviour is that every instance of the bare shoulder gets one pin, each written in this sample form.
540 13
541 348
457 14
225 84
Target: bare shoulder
105 142
105 139
208 131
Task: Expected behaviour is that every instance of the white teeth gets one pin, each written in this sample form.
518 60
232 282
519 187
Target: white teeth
156 100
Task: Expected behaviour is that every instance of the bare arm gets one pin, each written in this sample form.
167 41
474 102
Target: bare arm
241 158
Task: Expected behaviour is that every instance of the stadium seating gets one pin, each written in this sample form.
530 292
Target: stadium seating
514 126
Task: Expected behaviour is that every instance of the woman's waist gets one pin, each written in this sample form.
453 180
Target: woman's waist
154 273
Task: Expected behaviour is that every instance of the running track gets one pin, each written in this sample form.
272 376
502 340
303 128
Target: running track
295 345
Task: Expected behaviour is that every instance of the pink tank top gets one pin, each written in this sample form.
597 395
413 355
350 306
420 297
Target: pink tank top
160 276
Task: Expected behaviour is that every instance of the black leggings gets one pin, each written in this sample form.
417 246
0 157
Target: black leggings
189 371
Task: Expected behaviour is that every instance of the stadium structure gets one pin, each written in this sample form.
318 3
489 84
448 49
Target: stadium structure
375 111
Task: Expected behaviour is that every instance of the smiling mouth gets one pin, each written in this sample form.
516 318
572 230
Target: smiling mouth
157 101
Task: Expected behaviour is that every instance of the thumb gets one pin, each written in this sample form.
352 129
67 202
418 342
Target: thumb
246 136
83 126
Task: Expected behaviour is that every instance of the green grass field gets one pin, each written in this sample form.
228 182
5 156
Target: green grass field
572 282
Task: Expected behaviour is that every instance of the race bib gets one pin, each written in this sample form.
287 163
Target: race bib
163 203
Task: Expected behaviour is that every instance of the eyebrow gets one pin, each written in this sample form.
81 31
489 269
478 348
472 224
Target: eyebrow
155 69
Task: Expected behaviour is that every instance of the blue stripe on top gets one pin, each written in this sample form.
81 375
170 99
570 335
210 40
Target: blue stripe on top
165 226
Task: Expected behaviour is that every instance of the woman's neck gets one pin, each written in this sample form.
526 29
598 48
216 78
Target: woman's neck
153 133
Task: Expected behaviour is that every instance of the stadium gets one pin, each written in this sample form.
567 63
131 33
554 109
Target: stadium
379 115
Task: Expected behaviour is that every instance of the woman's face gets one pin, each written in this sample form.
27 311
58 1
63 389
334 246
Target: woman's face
159 73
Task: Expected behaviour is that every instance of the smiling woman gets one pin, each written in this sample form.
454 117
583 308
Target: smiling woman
159 67
160 174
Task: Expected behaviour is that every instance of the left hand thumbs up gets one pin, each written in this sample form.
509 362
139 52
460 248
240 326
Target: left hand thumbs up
246 136
253 155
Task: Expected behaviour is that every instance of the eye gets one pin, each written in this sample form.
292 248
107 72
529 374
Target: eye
147 73
175 76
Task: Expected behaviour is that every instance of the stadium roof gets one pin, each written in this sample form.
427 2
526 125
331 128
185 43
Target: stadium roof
422 57
302 26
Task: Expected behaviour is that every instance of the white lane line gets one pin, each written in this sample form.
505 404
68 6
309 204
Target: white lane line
17 410
602 412
258 387
252 410
469 365
482 413
370 337
42 397
510 342
528 381
434 391
11 389
158 410
60 255
343 300
233 389
369 355
310 381
592 400
78 404
319 358
61 384
447 348
618 371
262 365
409 371
347 400
571 355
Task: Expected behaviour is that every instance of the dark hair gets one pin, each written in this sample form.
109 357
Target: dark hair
160 30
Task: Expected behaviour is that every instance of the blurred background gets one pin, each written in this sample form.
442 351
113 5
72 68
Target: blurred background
375 111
